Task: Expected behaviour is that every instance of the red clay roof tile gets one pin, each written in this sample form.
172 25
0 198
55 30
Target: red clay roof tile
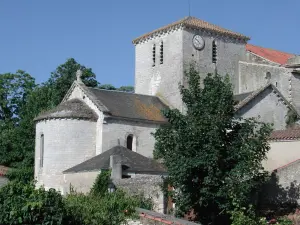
270 54
288 134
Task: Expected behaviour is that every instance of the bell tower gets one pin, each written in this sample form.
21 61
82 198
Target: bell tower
162 55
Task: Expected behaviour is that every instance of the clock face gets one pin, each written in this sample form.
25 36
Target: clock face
198 42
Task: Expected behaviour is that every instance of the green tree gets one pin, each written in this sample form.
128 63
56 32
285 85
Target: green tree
63 77
210 154
21 101
107 87
126 88
15 89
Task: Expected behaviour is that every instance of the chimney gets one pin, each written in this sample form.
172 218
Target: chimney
116 167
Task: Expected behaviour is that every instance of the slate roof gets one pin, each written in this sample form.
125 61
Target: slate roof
129 105
288 134
3 170
73 108
270 54
131 162
192 22
241 97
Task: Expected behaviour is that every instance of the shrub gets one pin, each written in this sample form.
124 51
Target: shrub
23 204
109 209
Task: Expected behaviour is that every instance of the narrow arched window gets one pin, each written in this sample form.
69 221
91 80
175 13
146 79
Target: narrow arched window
129 141
268 76
161 52
153 54
214 51
42 146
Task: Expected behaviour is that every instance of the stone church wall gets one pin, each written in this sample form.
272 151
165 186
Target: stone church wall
78 93
162 79
253 76
148 185
229 52
67 142
81 182
115 133
269 109
295 85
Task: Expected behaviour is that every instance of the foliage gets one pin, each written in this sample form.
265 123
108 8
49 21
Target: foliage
22 174
21 100
111 87
208 153
100 187
23 204
63 77
126 89
109 209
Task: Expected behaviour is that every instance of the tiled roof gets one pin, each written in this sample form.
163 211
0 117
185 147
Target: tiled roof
129 105
3 170
192 22
73 108
270 54
131 162
288 134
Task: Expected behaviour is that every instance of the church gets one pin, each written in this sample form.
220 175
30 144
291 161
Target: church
95 129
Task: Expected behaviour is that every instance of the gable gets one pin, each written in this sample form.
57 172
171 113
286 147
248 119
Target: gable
266 104
77 91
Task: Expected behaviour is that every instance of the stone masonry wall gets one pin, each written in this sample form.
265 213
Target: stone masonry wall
81 182
77 92
162 79
268 108
229 52
115 130
253 76
148 185
67 142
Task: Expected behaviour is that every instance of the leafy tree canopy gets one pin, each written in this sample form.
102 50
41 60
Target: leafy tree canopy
210 155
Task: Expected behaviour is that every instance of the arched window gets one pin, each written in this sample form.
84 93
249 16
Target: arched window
153 55
214 51
161 52
268 76
42 146
129 142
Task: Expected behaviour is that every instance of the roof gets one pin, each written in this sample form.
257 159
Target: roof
73 108
270 54
288 134
129 105
241 97
131 162
192 22
3 170
248 97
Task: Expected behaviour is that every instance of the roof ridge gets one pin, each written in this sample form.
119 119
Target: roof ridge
133 93
193 22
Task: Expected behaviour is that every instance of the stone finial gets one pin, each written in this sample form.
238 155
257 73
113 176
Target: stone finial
78 75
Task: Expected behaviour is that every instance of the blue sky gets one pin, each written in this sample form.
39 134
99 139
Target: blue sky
37 36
